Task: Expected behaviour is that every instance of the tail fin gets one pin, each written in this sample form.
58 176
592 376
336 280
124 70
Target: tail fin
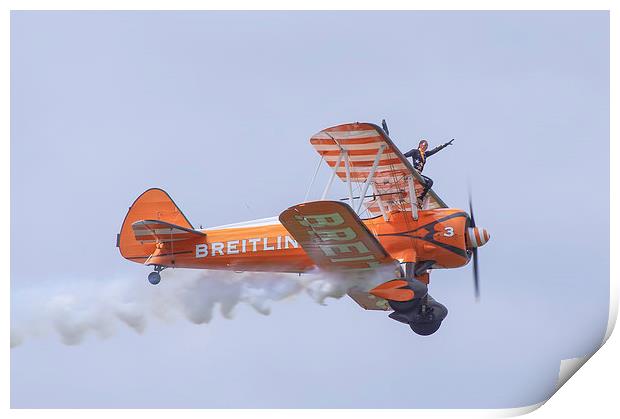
153 205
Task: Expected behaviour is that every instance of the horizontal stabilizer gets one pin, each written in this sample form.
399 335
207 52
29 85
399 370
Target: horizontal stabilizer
157 231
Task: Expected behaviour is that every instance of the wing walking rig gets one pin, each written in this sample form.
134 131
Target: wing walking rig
363 153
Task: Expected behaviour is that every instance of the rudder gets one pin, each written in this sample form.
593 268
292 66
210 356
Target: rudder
153 204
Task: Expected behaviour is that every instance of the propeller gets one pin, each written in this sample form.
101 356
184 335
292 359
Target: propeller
475 253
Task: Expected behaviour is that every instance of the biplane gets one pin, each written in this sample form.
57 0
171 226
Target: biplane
397 245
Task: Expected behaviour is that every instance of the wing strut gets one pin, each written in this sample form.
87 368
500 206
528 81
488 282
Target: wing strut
413 197
381 206
331 179
348 169
370 177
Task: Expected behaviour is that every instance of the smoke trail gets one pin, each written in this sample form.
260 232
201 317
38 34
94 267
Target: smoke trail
82 308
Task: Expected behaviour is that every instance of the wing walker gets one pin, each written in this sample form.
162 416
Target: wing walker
402 239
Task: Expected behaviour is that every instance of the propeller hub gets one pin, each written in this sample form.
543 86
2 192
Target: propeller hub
477 237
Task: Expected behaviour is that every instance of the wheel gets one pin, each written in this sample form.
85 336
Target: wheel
428 322
154 278
425 329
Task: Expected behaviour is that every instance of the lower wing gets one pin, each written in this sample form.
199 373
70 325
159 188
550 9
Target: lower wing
335 238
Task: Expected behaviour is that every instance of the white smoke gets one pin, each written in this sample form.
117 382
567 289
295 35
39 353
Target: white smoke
97 307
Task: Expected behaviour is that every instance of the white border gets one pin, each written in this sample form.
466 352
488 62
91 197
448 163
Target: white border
589 390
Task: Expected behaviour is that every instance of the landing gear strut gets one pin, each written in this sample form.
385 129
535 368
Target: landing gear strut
423 314
155 277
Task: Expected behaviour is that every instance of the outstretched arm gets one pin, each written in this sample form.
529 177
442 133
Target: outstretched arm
438 148
411 152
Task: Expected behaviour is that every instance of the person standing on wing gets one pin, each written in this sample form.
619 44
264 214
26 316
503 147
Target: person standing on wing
419 155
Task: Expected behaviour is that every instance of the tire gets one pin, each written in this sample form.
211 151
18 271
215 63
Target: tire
428 324
424 328
154 278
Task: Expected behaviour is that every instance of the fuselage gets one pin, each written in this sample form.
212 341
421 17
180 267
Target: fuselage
265 245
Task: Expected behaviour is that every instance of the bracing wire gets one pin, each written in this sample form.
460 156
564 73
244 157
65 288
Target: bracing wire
316 172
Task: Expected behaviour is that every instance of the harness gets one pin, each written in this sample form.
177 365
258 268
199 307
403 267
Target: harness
419 165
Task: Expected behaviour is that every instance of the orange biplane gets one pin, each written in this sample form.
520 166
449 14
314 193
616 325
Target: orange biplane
397 247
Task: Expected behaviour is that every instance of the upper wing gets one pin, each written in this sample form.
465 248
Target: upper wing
334 237
151 231
359 146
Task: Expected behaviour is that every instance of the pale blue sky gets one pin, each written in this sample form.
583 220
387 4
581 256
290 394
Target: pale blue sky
217 108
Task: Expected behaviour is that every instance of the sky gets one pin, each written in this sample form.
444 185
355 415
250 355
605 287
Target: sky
217 108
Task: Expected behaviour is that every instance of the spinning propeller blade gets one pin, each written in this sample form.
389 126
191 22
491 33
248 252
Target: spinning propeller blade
475 253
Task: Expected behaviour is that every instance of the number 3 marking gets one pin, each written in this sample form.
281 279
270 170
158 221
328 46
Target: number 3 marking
448 232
